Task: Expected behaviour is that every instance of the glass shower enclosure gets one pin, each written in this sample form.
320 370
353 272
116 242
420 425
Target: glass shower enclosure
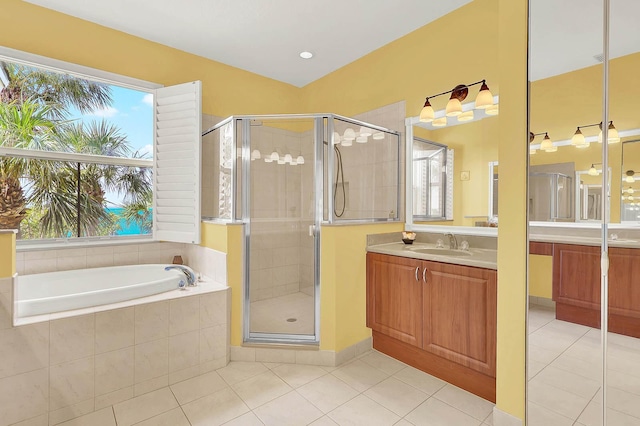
283 177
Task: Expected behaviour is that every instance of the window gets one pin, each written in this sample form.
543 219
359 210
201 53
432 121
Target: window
77 154
430 180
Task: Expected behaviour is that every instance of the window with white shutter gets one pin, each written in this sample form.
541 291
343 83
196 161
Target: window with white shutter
177 163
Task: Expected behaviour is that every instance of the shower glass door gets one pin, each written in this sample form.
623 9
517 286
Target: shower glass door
280 216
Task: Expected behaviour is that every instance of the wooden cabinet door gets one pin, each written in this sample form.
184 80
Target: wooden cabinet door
624 291
394 297
460 315
576 283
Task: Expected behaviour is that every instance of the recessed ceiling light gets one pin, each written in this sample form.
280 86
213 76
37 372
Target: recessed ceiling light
306 55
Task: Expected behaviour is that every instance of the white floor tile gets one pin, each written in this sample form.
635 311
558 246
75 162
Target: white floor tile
434 412
362 411
296 375
560 401
248 419
592 416
144 407
382 362
540 416
199 386
327 392
396 396
420 380
568 381
464 401
174 417
102 417
261 389
324 421
359 375
288 410
215 409
236 372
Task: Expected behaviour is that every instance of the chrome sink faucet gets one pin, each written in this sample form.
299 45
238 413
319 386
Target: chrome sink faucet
192 281
453 243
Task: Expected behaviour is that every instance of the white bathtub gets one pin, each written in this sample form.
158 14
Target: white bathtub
51 292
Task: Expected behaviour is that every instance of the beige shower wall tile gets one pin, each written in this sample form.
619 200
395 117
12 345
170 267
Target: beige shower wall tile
24 348
99 260
121 259
71 263
114 370
114 329
70 383
40 266
72 338
24 396
151 321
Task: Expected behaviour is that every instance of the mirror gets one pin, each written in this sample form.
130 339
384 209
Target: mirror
432 182
630 200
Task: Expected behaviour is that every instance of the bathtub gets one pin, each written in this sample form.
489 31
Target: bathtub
52 292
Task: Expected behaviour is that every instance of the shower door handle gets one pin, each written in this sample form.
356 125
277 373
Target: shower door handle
312 230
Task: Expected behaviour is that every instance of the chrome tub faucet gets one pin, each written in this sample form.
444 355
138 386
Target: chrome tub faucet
192 280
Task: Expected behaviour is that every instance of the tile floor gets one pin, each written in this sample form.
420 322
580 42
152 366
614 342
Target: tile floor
271 315
565 369
371 390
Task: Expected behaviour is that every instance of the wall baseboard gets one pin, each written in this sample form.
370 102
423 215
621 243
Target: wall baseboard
500 418
296 355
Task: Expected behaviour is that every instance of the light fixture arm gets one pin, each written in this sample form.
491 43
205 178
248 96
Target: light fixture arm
457 88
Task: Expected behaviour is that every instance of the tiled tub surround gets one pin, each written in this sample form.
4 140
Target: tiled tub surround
60 369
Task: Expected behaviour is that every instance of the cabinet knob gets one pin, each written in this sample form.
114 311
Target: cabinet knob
417 272
424 275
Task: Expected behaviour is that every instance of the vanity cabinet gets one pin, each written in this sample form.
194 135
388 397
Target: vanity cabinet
438 317
576 287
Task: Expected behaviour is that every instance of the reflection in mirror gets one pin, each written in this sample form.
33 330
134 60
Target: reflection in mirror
564 355
630 199
432 195
589 194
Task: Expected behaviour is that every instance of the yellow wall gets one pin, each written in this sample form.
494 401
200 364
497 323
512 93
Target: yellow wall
540 276
343 283
7 254
512 233
228 239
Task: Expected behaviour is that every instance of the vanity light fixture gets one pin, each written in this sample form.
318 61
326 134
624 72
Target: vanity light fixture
484 100
300 159
439 122
361 139
287 159
630 190
275 156
378 136
492 110
365 131
255 155
348 135
547 144
578 139
336 138
466 116
612 134
593 171
629 178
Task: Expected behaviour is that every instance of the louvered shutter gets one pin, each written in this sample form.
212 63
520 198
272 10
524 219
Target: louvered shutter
177 163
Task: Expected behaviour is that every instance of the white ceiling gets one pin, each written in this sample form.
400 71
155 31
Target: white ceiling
567 34
265 37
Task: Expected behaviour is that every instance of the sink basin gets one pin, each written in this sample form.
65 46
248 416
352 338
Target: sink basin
442 252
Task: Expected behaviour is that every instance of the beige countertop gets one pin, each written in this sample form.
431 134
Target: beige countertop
478 258
584 241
